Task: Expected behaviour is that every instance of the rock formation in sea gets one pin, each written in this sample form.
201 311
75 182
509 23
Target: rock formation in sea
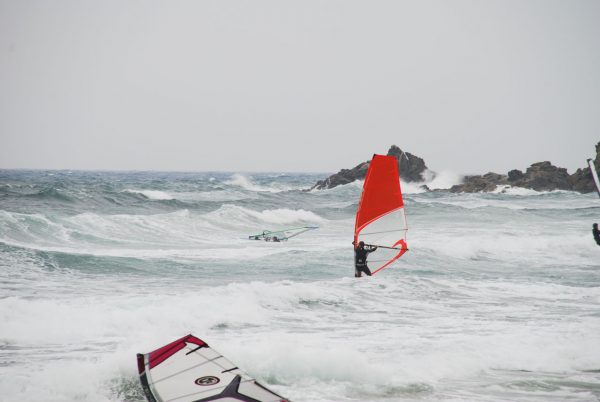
540 176
411 166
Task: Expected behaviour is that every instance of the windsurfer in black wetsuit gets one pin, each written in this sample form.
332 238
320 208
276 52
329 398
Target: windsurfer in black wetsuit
596 233
360 259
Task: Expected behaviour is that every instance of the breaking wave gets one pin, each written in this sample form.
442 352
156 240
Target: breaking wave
239 180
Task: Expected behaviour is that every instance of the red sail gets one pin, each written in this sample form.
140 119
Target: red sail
380 219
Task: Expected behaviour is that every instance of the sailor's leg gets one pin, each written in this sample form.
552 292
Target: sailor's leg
367 270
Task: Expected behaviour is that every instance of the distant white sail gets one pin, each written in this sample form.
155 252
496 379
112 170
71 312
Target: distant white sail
281 235
594 175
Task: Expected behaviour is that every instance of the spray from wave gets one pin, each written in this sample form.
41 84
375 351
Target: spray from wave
239 180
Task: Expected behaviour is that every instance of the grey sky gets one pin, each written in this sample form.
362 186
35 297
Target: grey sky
470 86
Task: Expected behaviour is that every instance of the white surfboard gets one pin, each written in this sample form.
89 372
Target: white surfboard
188 370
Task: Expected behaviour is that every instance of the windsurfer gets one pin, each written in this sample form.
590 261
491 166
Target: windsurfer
596 233
360 259
281 235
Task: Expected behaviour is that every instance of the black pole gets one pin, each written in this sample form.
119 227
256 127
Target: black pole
391 248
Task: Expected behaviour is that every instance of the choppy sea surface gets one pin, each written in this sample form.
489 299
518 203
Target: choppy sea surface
498 298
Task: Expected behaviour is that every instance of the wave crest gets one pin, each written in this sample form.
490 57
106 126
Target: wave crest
151 194
282 216
239 180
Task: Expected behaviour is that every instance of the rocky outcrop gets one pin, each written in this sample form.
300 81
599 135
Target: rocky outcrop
411 168
515 175
582 181
475 184
544 176
540 176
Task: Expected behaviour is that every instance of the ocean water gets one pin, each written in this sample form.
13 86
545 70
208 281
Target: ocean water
498 298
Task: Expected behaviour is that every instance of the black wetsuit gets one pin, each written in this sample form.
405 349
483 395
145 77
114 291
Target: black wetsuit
360 261
596 234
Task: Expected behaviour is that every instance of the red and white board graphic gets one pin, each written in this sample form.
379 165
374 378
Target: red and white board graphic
188 370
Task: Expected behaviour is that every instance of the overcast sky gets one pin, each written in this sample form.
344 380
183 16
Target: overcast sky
470 86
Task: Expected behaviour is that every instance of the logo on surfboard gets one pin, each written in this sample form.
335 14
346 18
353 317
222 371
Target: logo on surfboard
207 380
